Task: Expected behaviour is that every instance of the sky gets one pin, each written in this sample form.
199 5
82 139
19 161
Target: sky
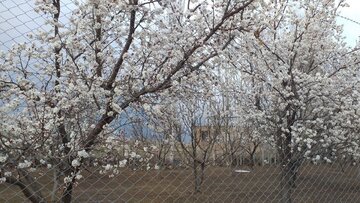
17 18
351 29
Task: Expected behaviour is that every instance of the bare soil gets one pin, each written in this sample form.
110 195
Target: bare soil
316 183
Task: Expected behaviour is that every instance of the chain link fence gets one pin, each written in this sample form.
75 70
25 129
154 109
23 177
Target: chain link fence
157 171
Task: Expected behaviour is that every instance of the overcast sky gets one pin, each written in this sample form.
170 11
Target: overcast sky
351 29
18 18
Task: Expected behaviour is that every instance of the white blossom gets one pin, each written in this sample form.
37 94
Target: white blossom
122 163
25 164
133 154
108 167
67 179
75 163
78 176
3 158
7 174
83 154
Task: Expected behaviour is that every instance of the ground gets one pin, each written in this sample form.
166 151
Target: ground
316 183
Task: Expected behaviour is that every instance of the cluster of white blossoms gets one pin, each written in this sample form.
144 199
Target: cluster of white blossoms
3 158
25 164
83 154
137 155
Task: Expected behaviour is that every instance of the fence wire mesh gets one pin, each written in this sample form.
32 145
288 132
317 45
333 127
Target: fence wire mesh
156 171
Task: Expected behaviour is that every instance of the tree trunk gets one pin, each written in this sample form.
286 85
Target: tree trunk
287 166
286 185
252 160
233 159
196 177
199 169
202 173
55 184
32 188
67 194
289 173
33 196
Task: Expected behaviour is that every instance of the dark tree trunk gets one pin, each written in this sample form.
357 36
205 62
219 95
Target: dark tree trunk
289 174
196 177
199 169
286 186
67 194
33 196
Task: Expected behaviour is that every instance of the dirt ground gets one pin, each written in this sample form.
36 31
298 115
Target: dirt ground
316 183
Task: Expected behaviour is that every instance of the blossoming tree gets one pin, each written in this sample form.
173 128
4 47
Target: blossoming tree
306 82
63 92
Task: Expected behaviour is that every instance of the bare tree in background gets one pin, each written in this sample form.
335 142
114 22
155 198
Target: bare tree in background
196 137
